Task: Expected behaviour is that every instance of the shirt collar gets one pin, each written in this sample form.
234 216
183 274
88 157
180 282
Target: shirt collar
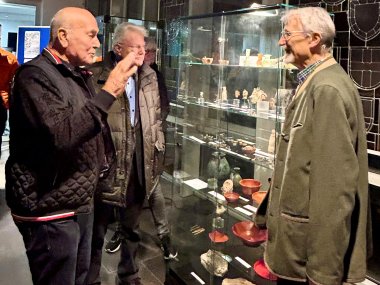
304 74
58 61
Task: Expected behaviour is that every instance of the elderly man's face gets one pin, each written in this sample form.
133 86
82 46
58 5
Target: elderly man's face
133 41
82 41
295 43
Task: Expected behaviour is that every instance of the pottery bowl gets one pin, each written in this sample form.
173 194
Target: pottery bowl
250 186
262 271
249 233
207 60
258 197
231 196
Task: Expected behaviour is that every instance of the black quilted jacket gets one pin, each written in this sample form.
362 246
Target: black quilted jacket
58 133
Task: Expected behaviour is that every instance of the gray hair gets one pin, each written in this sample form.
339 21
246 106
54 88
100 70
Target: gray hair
150 43
123 29
313 20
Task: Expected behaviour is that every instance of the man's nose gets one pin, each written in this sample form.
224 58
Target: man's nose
96 43
282 41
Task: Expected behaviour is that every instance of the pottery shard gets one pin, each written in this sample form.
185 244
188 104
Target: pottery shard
236 281
214 263
228 185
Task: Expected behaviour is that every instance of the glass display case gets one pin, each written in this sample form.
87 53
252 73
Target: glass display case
233 89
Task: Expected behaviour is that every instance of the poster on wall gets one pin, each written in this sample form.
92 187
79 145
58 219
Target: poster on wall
31 41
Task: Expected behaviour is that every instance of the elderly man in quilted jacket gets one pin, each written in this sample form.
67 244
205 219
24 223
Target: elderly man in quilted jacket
317 213
59 146
135 122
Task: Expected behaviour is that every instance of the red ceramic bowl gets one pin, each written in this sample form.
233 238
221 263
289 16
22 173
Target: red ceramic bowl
231 196
258 197
216 236
261 270
249 233
250 186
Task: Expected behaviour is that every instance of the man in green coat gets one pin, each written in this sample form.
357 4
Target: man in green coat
317 210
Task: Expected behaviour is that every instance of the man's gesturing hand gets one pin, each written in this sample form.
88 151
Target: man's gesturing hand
118 77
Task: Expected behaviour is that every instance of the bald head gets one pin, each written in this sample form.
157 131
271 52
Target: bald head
69 17
73 35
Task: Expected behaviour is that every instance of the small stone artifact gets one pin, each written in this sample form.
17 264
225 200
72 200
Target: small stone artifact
237 94
236 281
214 263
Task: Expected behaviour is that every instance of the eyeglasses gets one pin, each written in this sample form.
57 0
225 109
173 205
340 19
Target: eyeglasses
135 48
288 34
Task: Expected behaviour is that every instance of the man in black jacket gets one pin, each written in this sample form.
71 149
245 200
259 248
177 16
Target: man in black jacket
59 146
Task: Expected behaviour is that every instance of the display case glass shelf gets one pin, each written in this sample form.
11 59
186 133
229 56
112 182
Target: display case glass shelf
232 92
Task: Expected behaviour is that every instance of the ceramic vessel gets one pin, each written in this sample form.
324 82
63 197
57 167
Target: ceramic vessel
218 166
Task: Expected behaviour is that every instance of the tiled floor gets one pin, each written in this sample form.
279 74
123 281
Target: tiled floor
14 265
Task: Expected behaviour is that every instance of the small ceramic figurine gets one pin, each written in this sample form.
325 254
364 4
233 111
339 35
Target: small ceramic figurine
272 141
272 103
237 94
259 60
266 60
245 94
244 101
201 100
224 93
247 55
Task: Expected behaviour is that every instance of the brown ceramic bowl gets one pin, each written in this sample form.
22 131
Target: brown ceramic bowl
258 197
250 186
231 196
249 233
261 270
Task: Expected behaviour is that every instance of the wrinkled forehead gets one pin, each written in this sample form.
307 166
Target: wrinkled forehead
293 23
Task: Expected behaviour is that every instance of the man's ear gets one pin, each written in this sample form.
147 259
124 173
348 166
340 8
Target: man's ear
117 49
315 39
62 37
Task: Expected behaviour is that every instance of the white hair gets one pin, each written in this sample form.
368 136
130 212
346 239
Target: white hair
123 29
313 20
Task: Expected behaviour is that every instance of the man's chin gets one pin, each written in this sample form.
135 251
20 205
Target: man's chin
288 59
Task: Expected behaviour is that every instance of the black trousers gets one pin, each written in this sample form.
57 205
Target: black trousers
128 226
58 251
